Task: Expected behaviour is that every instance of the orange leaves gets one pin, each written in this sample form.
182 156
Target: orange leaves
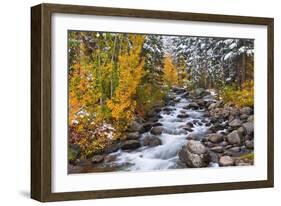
81 89
103 82
170 72
131 71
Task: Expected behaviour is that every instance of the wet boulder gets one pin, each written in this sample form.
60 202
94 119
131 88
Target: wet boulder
208 124
189 124
244 117
190 137
204 120
209 98
110 158
226 161
157 108
217 149
214 157
151 141
216 127
97 159
199 123
201 103
234 149
133 135
212 106
168 109
157 130
188 127
130 144
155 118
249 144
249 127
250 118
110 148
241 131
183 111
223 143
192 105
209 144
215 105
146 127
201 92
167 113
157 124
185 95
233 137
246 110
151 113
235 123
135 126
196 147
178 90
194 154
182 116
215 138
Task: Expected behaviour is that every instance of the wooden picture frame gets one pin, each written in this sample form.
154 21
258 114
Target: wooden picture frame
41 116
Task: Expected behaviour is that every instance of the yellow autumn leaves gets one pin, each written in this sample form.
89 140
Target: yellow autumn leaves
240 97
122 104
108 87
170 72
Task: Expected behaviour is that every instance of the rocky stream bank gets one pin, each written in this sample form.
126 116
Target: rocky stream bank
192 130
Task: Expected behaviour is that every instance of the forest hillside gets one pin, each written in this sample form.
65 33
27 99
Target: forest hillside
119 81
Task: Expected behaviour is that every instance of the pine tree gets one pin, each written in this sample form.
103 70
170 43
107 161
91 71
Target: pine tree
182 72
153 53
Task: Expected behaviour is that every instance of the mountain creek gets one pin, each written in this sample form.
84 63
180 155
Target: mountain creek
192 130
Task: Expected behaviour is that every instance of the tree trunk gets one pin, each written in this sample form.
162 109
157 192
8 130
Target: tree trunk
112 59
243 68
100 79
238 74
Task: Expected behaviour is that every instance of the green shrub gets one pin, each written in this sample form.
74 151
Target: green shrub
149 95
249 156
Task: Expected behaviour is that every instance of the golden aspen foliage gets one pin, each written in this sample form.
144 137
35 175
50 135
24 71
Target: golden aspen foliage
170 72
115 78
82 91
241 97
130 67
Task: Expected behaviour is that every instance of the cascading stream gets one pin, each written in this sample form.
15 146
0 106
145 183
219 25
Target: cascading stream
164 156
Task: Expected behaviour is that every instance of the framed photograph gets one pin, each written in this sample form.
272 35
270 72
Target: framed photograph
132 102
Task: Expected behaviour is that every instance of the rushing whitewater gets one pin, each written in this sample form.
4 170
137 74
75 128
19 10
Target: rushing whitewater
164 156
